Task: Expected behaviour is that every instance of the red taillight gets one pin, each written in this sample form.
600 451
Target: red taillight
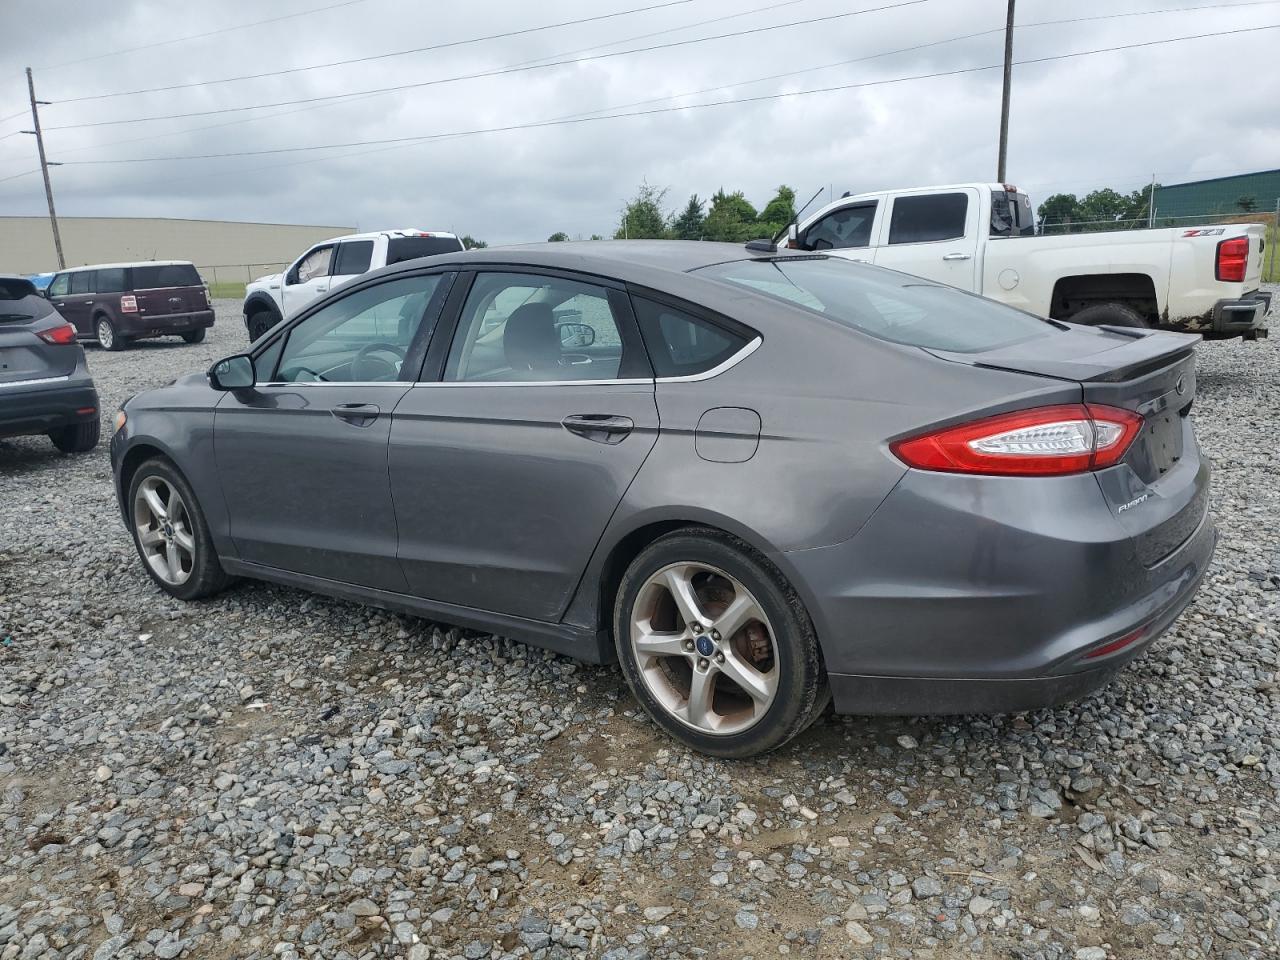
1233 258
60 335
1041 442
128 304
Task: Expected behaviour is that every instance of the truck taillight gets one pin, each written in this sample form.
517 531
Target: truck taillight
1233 257
1040 442
59 335
129 304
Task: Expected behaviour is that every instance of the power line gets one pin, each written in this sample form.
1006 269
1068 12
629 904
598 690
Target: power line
15 176
199 36
659 110
502 71
379 56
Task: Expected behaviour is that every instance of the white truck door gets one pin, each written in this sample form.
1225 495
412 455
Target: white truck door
932 235
844 232
353 258
307 279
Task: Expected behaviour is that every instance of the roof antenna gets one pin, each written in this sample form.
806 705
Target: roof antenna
796 219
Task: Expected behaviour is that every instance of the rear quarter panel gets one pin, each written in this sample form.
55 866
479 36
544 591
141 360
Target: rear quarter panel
1195 287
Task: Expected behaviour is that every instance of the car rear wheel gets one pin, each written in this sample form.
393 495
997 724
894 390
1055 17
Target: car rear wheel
260 323
78 437
1108 314
108 338
170 533
716 646
194 336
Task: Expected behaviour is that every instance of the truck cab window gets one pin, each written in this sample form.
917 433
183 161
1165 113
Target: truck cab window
928 218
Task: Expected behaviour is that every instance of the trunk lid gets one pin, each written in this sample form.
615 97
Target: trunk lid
1256 233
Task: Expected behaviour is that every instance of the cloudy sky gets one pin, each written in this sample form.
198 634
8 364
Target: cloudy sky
1199 108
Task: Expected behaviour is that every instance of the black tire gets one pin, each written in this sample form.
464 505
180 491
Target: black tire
207 576
260 321
194 336
802 691
1109 314
108 337
78 437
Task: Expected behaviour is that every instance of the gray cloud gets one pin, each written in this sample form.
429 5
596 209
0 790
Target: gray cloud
1180 110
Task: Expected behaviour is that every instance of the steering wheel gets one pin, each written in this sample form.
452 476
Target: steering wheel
365 366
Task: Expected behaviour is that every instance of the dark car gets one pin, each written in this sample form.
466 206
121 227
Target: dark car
45 387
115 303
760 480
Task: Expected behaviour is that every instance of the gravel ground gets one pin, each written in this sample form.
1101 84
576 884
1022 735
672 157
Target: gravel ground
271 773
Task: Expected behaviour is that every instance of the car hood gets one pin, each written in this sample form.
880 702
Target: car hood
270 278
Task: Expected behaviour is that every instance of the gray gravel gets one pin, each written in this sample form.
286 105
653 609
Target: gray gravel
271 773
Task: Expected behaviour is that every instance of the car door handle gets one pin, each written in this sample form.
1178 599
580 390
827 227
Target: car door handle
356 414
600 427
956 256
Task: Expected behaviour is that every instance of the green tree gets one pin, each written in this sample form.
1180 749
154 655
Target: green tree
731 218
1247 204
778 212
1059 211
471 243
596 236
642 217
558 237
688 226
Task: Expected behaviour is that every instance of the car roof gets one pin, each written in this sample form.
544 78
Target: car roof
405 232
135 263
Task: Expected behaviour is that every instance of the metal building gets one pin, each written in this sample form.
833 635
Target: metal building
224 250
1223 196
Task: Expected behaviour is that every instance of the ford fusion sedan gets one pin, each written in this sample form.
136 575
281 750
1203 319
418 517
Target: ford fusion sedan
760 481
45 387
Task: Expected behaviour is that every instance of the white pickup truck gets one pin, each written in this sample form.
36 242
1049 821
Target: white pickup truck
270 299
981 237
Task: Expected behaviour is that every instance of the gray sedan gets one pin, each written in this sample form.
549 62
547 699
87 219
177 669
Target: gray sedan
760 481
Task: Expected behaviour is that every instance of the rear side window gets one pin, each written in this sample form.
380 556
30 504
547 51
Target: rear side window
353 258
82 282
61 285
113 280
682 345
924 219
840 229
400 249
885 305
156 276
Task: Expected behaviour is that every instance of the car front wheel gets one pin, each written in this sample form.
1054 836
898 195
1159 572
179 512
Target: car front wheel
108 338
716 646
170 533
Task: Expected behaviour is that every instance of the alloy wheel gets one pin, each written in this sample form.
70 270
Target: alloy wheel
106 335
704 648
164 531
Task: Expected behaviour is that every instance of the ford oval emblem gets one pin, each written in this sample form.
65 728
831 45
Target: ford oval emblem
1181 385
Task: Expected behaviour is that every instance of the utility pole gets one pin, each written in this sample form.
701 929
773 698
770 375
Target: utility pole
44 166
1004 100
1151 204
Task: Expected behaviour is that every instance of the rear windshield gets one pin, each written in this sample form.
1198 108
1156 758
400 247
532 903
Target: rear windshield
19 301
150 277
400 249
13 288
885 304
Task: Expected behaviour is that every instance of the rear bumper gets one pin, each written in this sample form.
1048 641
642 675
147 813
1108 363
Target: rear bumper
982 594
1244 315
163 324
38 407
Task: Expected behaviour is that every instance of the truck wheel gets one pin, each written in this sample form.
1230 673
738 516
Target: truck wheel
78 437
1108 314
259 323
194 336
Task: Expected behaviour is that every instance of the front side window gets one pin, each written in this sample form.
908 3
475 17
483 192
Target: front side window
840 229
314 264
354 257
82 282
924 219
112 280
682 345
61 285
364 337
885 305
527 327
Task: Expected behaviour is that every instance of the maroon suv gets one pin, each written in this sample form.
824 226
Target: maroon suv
115 303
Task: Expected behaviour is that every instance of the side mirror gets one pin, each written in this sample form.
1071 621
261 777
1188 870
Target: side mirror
291 277
576 334
233 373
794 242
